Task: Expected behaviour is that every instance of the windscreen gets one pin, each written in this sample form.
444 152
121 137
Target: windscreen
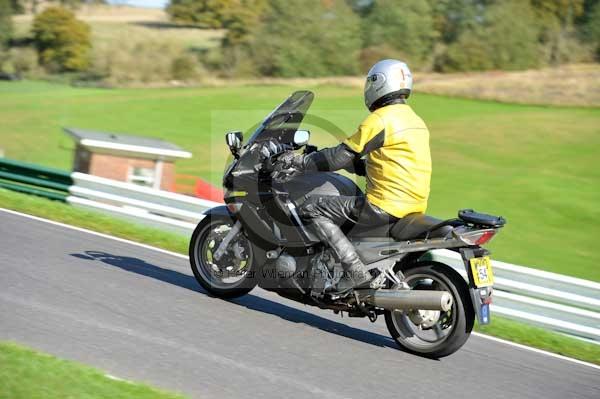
282 123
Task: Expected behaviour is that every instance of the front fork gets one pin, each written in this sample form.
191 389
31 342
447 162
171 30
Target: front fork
222 248
480 297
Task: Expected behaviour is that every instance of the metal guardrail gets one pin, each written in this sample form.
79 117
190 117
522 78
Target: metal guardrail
561 303
161 209
34 179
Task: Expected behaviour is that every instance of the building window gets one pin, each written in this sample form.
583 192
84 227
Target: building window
141 176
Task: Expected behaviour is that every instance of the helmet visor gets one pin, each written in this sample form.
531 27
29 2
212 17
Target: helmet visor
374 82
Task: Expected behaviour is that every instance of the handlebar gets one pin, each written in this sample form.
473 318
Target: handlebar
271 151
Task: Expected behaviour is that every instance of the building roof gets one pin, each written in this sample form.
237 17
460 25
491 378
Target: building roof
123 143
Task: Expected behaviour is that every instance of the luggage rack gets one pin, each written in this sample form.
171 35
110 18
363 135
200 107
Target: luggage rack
481 219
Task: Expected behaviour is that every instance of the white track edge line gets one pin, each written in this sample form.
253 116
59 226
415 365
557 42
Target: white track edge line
68 226
499 340
536 350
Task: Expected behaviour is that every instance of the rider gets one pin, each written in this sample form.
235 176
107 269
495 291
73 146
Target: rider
392 146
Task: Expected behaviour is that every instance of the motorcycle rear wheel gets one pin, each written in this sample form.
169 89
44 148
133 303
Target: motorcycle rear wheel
233 275
433 334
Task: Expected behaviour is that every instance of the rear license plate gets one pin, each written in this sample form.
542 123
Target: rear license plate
481 268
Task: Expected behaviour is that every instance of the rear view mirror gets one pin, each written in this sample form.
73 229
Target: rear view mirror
301 137
234 141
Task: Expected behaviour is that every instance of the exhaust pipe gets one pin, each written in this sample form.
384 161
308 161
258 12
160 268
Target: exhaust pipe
404 300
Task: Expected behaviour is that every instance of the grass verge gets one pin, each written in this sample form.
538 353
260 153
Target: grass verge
542 339
27 374
61 212
500 327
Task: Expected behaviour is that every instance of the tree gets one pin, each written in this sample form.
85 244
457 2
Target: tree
205 13
62 41
405 26
557 34
551 13
17 6
6 27
453 17
506 38
241 19
591 28
308 38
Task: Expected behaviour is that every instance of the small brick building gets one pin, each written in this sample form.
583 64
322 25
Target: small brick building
140 160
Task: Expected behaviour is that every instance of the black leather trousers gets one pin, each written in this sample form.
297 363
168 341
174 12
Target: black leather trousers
327 213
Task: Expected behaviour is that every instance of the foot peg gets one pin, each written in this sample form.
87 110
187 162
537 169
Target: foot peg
354 279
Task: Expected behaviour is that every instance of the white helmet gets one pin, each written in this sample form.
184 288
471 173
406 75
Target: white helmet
387 80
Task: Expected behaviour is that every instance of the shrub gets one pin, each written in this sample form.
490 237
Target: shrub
566 48
184 67
63 42
24 60
134 63
20 61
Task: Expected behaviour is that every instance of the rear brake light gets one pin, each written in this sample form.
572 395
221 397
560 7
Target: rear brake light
485 237
476 237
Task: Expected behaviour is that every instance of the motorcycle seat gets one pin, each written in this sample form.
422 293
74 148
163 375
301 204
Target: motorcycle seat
418 225
412 226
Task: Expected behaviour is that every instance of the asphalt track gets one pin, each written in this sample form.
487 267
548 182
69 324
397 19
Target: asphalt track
138 314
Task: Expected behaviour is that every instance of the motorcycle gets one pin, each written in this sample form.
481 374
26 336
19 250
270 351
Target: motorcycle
258 238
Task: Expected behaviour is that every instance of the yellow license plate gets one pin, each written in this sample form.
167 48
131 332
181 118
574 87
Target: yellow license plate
482 271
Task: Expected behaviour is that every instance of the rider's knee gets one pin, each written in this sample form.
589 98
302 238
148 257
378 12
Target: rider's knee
311 209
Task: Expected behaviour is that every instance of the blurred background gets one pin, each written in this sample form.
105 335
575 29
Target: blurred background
138 94
198 40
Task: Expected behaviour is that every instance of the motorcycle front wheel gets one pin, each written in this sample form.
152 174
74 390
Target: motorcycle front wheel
233 274
431 333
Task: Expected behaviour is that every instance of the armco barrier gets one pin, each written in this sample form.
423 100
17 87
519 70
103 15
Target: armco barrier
162 209
553 301
34 179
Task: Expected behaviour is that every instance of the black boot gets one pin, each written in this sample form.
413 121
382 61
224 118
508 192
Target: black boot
356 274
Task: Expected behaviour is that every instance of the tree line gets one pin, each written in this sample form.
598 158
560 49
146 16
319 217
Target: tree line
62 42
59 46
336 37
296 38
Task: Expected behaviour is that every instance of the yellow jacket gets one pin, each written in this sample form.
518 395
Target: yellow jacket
395 142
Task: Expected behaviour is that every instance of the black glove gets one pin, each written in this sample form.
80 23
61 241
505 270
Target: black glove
288 166
270 148
290 159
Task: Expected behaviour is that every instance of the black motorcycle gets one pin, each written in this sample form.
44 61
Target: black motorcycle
258 238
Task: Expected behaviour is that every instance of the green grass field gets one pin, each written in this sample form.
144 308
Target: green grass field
27 374
535 165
